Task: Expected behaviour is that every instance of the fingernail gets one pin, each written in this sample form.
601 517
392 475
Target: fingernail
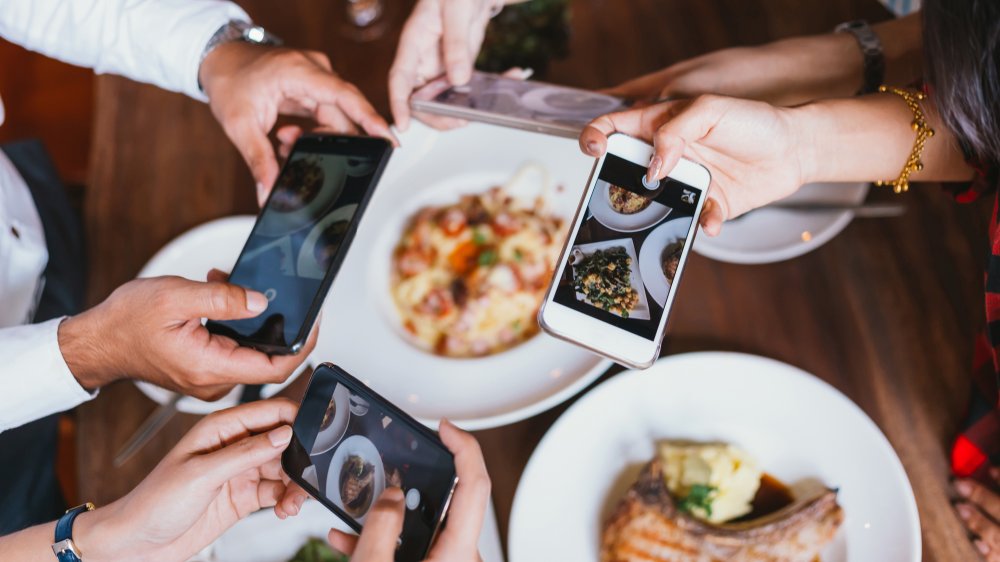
654 169
593 148
963 488
982 547
256 302
459 74
281 436
527 73
964 510
301 499
394 495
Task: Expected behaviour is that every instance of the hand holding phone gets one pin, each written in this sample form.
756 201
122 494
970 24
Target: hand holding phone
350 445
459 539
618 274
302 236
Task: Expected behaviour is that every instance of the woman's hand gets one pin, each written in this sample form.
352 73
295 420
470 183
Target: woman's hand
980 512
749 147
459 541
225 468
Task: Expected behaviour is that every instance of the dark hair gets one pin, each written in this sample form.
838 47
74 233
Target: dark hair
962 67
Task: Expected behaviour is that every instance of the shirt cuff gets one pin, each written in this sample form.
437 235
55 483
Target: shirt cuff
194 35
36 380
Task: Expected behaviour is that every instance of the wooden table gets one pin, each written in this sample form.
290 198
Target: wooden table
886 312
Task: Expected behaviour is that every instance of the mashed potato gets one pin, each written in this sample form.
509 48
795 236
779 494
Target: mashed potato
715 482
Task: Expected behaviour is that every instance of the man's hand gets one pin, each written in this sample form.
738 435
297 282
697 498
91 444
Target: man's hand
980 513
248 86
459 541
440 37
150 329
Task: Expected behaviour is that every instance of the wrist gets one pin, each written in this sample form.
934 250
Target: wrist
97 538
803 123
87 358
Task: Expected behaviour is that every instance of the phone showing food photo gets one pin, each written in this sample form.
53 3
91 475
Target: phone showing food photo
350 444
619 271
302 235
523 104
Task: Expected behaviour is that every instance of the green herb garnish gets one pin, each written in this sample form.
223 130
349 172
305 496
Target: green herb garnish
518 256
317 550
478 238
488 257
699 497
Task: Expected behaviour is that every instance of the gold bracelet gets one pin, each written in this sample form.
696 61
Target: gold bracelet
924 132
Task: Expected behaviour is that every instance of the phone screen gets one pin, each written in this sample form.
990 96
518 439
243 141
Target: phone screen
301 235
533 101
623 263
350 444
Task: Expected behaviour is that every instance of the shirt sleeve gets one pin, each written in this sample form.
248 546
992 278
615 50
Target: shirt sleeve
159 42
34 376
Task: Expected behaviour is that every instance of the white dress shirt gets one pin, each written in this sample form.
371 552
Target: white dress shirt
154 41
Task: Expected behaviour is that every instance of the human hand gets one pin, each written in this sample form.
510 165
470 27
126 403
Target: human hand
248 86
980 513
750 148
440 37
458 541
787 72
151 329
227 467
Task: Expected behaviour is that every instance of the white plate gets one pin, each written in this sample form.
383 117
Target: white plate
329 437
600 207
772 235
797 427
641 310
334 172
651 256
361 446
361 330
191 255
262 537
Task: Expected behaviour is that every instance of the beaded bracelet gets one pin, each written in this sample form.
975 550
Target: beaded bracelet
924 132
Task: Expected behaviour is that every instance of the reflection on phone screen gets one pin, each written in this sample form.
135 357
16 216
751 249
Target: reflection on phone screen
624 259
296 239
350 448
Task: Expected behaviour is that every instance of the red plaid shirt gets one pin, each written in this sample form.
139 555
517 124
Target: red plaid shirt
977 448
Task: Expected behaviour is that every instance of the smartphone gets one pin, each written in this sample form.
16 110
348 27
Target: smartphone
349 444
620 269
534 106
302 236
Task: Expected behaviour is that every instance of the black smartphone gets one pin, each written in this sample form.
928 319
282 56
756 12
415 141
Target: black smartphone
350 444
302 236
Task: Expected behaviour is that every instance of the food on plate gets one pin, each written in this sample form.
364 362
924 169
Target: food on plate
715 482
604 278
626 202
672 258
468 278
298 185
329 242
357 485
330 414
653 523
316 550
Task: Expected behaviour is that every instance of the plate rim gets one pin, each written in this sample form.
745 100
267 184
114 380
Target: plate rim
911 509
708 249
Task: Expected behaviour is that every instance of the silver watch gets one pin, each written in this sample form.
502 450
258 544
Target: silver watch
239 31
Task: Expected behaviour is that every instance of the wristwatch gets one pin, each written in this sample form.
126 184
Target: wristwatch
871 48
239 31
63 547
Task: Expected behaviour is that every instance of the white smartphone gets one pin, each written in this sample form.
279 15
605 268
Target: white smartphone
522 104
620 268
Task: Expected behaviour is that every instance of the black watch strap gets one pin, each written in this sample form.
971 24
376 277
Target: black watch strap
873 74
63 547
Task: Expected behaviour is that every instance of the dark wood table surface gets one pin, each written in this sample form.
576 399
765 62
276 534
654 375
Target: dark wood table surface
886 312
